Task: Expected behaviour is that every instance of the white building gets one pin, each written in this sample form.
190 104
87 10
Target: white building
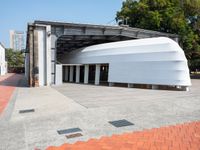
16 40
60 52
151 61
3 63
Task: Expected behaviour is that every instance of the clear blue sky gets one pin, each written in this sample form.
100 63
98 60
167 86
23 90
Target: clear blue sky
15 14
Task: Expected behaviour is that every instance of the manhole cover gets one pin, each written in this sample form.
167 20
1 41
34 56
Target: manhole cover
121 123
71 130
73 135
27 111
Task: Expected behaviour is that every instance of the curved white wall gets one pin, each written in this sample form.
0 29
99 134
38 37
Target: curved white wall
158 61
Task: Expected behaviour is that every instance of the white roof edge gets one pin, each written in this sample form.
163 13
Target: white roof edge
135 42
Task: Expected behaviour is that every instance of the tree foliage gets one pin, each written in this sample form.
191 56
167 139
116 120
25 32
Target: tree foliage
181 17
14 58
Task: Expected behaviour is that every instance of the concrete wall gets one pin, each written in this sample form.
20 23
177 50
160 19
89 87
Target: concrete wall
44 55
38 57
3 64
27 63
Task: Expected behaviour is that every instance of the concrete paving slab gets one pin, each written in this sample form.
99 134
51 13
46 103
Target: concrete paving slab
13 136
90 108
44 100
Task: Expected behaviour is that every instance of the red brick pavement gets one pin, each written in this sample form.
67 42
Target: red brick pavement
8 83
178 137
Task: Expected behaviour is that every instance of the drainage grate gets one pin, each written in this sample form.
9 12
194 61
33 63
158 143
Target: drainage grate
73 135
71 130
27 111
121 123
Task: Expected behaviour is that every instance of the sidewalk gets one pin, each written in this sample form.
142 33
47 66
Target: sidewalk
161 119
8 84
180 137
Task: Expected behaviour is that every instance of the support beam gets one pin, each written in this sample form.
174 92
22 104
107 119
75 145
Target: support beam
130 85
185 88
111 84
86 74
66 78
97 74
48 57
31 59
154 87
71 73
59 77
77 74
52 58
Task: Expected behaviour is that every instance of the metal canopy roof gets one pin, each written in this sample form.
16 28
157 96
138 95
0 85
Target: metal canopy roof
78 25
74 35
68 43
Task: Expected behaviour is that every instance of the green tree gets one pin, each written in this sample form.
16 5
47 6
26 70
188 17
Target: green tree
14 58
181 17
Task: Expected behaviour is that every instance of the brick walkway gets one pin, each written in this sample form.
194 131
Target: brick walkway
8 83
180 137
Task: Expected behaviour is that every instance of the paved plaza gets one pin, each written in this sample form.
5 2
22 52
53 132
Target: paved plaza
91 109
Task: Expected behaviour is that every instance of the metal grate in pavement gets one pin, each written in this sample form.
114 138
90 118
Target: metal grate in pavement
71 130
26 111
121 123
73 135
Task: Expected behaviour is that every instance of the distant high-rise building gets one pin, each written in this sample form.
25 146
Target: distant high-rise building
16 40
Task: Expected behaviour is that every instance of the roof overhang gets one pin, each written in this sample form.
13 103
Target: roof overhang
90 34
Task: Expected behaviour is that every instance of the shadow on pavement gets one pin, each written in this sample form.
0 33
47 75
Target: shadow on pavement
16 80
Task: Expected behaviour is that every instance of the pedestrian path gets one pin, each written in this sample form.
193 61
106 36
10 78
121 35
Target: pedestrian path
8 84
179 137
75 114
